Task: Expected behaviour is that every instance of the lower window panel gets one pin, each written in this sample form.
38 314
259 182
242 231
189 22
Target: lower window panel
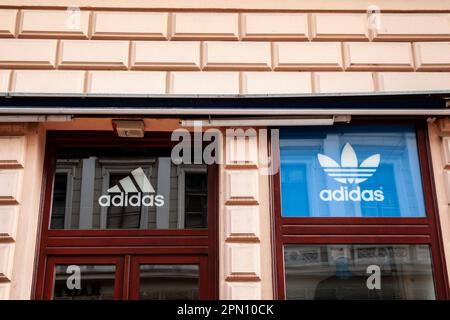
346 272
84 282
169 282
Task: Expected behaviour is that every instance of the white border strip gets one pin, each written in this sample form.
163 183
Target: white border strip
219 111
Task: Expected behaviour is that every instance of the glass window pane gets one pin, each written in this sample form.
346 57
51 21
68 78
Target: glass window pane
84 282
59 201
122 217
196 200
350 171
169 282
126 188
345 272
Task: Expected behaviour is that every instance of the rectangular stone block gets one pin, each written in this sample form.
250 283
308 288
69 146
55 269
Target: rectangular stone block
432 56
417 81
130 25
447 184
6 260
242 221
57 81
164 55
241 146
4 80
276 82
267 26
331 26
10 186
241 187
7 23
8 221
93 54
378 56
243 261
338 82
25 53
4 291
205 25
12 153
412 26
224 55
54 24
204 82
243 291
127 82
307 56
446 151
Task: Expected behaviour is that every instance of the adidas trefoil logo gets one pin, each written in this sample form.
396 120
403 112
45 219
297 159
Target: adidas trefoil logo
134 190
349 171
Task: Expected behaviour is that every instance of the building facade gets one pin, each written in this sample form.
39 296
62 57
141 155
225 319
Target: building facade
315 162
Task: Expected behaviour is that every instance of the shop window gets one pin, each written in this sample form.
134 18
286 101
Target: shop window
168 282
127 220
136 192
96 282
355 214
342 272
351 172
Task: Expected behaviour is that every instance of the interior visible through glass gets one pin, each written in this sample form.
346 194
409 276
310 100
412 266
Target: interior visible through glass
169 282
84 282
361 272
127 188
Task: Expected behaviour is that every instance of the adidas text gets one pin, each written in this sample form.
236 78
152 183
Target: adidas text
134 200
344 194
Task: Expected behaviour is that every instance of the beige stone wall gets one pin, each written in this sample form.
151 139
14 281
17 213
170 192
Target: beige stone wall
439 136
241 51
245 219
21 165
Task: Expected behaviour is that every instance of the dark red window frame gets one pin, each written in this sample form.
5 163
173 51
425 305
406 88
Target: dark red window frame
94 246
304 230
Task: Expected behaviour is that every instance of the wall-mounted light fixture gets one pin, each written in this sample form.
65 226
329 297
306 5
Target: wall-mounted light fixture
129 128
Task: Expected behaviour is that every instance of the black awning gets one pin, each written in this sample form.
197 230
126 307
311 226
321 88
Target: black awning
266 104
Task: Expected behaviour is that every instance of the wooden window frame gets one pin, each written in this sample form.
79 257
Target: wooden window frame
359 230
126 244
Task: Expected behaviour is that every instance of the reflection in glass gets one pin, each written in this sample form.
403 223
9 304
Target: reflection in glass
59 201
340 272
350 171
96 282
122 217
196 196
169 282
127 188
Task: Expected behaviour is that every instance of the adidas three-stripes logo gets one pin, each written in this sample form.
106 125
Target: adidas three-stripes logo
130 184
133 190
